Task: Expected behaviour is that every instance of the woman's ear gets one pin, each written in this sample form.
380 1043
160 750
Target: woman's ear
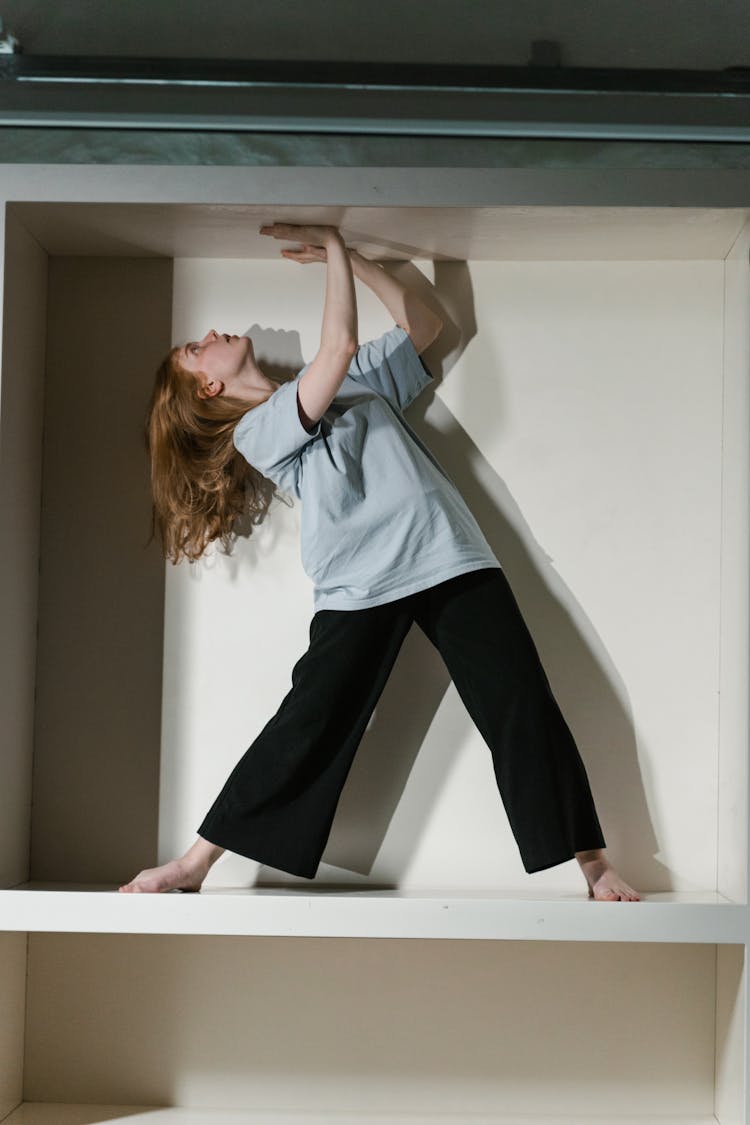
209 390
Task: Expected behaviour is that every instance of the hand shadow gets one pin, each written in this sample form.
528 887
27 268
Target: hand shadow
280 358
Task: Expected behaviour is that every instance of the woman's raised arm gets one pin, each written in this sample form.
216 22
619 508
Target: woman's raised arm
405 306
338 337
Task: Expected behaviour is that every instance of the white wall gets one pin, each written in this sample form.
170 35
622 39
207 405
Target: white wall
582 422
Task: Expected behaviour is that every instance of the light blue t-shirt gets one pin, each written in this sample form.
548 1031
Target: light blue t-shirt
380 518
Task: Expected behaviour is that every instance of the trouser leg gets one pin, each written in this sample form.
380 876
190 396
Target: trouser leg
475 623
278 803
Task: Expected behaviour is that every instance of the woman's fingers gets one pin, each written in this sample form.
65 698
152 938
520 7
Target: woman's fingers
306 254
297 231
310 251
313 251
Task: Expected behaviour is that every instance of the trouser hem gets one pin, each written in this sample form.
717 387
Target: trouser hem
531 868
223 838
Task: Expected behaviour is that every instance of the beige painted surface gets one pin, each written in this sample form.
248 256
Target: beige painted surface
100 587
23 310
12 1018
370 1025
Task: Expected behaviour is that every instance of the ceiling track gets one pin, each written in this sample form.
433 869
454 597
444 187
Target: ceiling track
412 99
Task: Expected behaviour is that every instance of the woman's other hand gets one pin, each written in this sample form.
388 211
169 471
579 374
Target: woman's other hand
306 254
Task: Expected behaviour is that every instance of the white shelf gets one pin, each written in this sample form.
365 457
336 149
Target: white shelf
666 916
48 1113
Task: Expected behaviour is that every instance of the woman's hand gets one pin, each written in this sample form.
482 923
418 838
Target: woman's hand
307 254
315 240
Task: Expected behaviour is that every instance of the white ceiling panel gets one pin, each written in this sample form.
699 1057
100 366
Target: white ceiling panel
442 233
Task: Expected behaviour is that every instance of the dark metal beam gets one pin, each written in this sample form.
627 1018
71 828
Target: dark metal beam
372 97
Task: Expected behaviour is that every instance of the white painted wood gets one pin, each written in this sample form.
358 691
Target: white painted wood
731 1038
309 189
734 672
42 1113
662 916
489 233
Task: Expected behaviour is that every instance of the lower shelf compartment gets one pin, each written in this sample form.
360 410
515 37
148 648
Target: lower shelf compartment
274 1029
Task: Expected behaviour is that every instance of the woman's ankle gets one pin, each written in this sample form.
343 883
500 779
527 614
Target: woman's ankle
593 853
203 854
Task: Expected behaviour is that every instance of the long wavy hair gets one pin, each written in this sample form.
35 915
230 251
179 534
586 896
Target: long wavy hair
200 484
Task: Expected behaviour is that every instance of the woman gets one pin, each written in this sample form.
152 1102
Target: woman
387 540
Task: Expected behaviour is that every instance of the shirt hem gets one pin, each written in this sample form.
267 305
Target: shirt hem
404 591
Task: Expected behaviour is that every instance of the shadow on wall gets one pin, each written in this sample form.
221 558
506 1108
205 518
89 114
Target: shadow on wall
585 681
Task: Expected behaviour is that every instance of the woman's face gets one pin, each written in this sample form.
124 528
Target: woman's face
224 364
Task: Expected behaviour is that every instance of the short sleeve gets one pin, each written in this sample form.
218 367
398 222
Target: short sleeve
271 437
391 366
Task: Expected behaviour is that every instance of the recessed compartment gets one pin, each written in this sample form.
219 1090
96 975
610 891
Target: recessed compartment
590 401
298 1030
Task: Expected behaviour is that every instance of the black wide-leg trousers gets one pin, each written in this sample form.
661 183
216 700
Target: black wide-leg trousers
278 803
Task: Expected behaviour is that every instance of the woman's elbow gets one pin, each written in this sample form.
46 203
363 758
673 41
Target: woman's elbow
349 347
425 331
343 348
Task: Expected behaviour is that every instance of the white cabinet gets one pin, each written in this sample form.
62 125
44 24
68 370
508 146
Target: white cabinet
591 402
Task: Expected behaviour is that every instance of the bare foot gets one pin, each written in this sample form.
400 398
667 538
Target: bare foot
604 883
172 876
183 874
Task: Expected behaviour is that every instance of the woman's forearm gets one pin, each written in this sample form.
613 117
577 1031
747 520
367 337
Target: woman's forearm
406 308
339 327
338 336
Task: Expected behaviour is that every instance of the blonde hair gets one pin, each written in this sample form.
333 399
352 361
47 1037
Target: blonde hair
200 483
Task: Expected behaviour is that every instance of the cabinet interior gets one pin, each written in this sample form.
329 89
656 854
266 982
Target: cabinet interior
101 641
